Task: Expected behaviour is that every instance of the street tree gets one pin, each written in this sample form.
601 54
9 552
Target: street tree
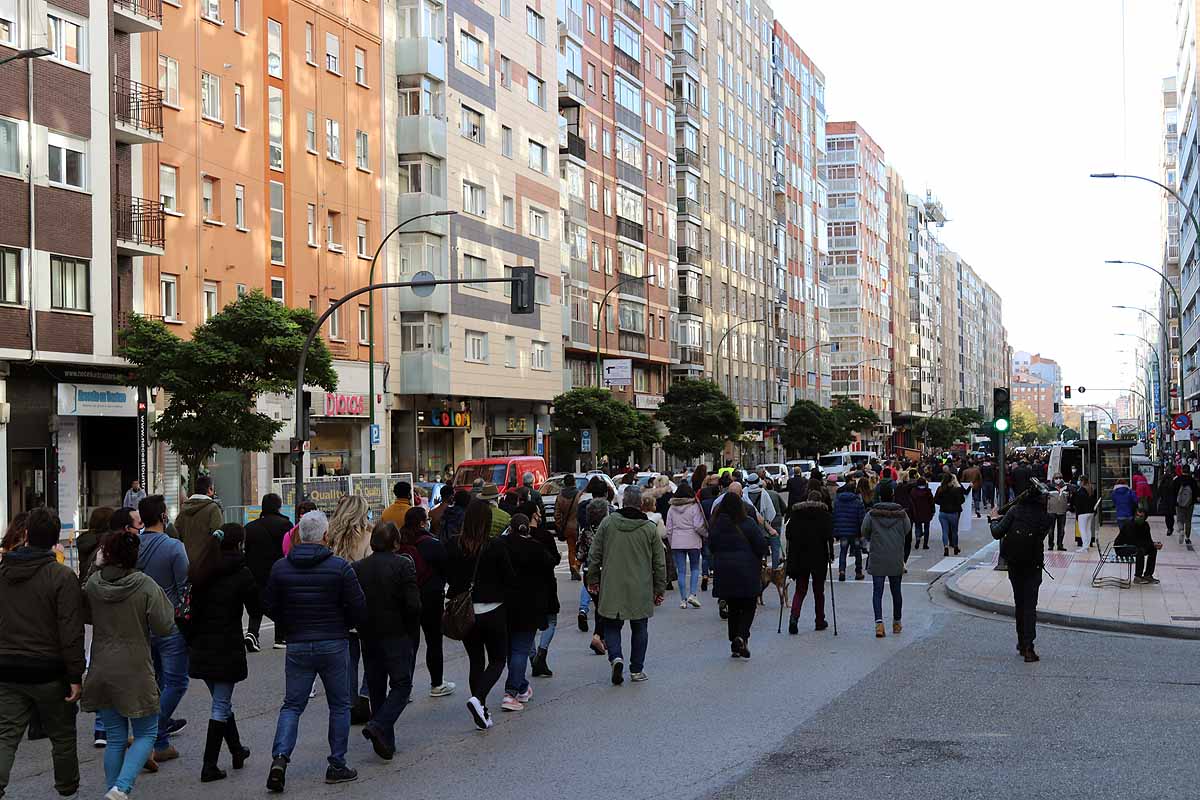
699 419
810 429
970 418
852 417
1024 424
213 380
940 432
619 428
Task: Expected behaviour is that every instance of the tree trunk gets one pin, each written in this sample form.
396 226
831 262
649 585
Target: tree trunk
193 468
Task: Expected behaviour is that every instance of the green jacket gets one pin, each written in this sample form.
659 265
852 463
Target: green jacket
628 561
500 521
41 618
122 603
198 518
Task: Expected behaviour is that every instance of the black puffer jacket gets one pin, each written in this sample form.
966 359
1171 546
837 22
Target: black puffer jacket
389 583
1021 532
264 544
527 599
215 649
737 552
809 538
314 595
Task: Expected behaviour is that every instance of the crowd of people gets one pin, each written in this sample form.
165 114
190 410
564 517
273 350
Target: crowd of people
351 598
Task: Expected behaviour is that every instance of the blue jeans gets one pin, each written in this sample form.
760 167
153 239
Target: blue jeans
547 634
682 559
877 596
851 546
989 493
170 656
585 599
388 662
949 522
977 497
921 530
776 545
121 763
519 645
639 640
330 659
222 699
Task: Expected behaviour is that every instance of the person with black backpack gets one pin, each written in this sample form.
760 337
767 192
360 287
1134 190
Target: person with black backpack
1021 532
429 555
1186 493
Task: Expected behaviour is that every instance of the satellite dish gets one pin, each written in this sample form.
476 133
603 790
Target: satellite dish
423 283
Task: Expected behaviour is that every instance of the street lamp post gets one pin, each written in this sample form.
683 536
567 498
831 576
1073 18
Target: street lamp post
796 362
34 52
1166 336
721 341
1179 315
1153 349
601 322
371 325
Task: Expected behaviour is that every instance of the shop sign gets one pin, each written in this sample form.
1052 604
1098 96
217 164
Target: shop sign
345 405
445 418
755 435
648 401
96 400
514 426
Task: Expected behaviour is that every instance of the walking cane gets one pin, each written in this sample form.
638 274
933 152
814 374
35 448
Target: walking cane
832 599
779 627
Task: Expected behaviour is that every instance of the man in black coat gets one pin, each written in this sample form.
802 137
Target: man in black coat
1136 532
264 546
1021 532
797 487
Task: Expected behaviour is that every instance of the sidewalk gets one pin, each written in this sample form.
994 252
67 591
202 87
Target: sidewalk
1170 608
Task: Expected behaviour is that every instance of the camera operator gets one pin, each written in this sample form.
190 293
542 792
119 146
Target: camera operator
1021 532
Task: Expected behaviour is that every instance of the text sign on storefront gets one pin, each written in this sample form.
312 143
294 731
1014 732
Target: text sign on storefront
445 418
345 405
514 425
96 400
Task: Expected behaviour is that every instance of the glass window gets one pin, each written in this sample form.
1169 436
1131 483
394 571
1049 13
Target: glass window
506 72
420 330
537 156
69 283
167 183
360 66
506 141
535 24
539 223
360 238
67 39
335 323
333 53
168 297
311 224
333 231
420 173
239 107
277 222
210 300
476 346
275 126
208 198
541 356
274 48
310 131
66 161
474 199
510 351
210 96
333 139
364 325
470 51
308 43
472 124
419 95
8 22
362 150
474 267
168 79
239 206
10 275
536 88
510 212
277 289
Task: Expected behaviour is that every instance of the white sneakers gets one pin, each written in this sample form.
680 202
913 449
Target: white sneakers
511 703
444 689
115 794
483 720
683 604
693 601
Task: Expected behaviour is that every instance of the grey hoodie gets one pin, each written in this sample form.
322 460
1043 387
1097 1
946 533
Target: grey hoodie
885 527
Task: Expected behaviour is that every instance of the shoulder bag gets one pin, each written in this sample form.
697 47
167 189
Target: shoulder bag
458 618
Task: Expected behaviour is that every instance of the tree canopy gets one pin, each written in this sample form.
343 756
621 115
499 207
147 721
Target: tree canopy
213 380
699 419
1024 427
620 429
853 416
810 429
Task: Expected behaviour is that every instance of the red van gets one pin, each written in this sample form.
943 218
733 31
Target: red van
504 471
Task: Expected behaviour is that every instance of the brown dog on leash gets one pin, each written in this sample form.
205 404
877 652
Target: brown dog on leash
776 576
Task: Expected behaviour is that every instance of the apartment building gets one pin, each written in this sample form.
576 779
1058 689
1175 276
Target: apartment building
76 225
904 368
859 272
1035 392
800 234
1168 306
1046 369
270 178
997 355
1187 83
472 121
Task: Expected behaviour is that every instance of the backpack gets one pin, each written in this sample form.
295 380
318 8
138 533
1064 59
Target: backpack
1184 498
424 571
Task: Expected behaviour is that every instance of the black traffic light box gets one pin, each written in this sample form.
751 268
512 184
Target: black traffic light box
1067 392
1001 409
524 280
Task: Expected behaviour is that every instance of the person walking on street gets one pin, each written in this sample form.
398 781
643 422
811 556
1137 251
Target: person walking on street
920 499
350 538
199 516
885 528
1083 503
764 501
389 584
263 547
950 499
429 556
1142 490
848 513
539 667
526 601
1187 492
686 529
1021 532
165 560
481 566
592 514
216 652
315 599
809 554
1165 492
971 478
1136 533
133 495
987 474
566 521
125 604
738 548
41 650
500 518
627 571
452 520
394 513
445 501
1058 500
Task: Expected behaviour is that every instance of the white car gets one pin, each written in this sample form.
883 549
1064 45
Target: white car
776 472
805 464
839 463
553 485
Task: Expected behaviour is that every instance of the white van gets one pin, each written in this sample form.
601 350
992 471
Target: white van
843 461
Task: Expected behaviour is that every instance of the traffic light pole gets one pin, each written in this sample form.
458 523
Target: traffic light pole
1001 488
523 291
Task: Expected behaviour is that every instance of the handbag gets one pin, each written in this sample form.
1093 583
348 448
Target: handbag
458 617
183 605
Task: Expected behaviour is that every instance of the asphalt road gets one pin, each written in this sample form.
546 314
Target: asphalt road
928 713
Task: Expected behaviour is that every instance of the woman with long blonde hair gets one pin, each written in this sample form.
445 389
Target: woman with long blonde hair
350 538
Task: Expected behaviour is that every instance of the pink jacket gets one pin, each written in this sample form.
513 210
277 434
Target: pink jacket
1141 487
686 528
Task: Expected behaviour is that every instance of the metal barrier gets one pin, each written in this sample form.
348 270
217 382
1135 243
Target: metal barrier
326 490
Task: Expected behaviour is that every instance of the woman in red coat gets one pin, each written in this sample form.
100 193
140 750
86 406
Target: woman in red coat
1143 490
920 501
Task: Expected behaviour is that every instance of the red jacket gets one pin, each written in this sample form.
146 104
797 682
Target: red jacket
1141 487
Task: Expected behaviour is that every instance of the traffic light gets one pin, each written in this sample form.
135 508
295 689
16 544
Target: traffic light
1001 409
522 290
1067 392
307 426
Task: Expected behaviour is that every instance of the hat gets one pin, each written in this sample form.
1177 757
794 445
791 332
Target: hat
832 479
489 492
751 479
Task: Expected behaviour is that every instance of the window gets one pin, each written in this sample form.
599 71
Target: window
310 131
510 212
277 290
168 80
422 18
210 300
274 48
474 268
10 275
541 356
421 330
505 72
168 297
66 161
360 238
335 323
360 66
536 88
210 10
311 223
67 39
506 139
472 124
69 283
421 251
210 96
8 22
308 43
364 325
333 53
420 174
474 199
470 51
333 231
477 347
419 96
510 351
239 206
237 16
210 208
541 290
333 139
277 217
535 24
275 126
167 183
539 223
362 150
239 107
506 8
537 156
591 18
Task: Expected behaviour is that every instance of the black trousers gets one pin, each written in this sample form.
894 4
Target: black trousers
431 626
1170 518
741 616
1146 559
487 651
1060 521
1025 584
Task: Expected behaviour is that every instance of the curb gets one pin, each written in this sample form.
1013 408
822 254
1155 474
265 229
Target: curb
1105 624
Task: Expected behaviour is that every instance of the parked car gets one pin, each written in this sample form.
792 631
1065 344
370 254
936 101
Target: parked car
776 472
843 461
504 471
550 489
806 465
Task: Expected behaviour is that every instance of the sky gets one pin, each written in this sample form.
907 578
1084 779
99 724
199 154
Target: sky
1002 110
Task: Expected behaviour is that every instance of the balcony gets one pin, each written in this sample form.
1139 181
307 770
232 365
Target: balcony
635 289
631 230
570 89
631 10
630 119
682 58
137 16
572 25
421 133
573 145
421 56
425 372
691 356
631 175
627 63
686 158
136 112
685 12
691 305
632 342
688 207
139 226
689 255
686 110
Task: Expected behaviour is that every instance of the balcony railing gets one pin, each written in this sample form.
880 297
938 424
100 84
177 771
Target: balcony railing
691 355
691 305
137 16
630 230
629 119
151 9
630 174
137 105
574 146
687 158
682 58
632 288
688 206
688 255
627 63
139 222
685 108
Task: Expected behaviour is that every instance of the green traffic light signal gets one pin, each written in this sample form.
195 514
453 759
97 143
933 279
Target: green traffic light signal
1001 425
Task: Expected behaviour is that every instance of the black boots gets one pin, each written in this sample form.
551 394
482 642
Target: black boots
234 742
360 711
212 750
793 627
540 668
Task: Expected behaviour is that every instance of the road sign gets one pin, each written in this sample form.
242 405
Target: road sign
423 283
376 435
618 371
540 438
585 441
1182 422
1081 389
1153 426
